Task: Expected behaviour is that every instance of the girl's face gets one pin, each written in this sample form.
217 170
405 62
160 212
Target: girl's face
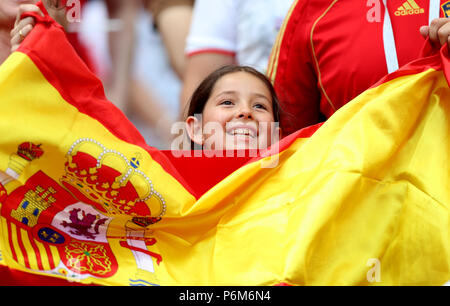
237 115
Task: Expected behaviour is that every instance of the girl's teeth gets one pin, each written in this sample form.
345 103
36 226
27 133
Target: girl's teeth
245 132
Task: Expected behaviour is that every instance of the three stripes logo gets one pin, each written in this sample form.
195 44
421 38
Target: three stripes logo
410 7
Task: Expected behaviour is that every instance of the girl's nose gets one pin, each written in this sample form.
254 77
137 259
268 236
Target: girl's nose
244 112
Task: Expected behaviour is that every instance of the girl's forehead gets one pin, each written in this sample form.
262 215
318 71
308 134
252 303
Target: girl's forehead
240 81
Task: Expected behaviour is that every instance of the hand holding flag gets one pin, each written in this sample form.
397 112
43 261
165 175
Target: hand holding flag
438 32
23 26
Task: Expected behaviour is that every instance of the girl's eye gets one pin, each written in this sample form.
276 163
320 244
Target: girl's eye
261 106
226 102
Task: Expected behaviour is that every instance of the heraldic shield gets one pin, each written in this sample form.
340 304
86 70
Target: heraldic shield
66 227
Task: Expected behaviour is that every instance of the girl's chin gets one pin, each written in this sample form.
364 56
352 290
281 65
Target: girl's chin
234 142
241 142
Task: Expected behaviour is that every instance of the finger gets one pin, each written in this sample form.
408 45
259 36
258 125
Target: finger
424 30
17 39
448 44
444 33
435 25
23 23
23 8
26 30
14 48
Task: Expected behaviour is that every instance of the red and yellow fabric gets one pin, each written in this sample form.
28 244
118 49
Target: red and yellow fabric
330 51
363 200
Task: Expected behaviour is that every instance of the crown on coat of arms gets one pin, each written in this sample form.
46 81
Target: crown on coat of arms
107 177
29 151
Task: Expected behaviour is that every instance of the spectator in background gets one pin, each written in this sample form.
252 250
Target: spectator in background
128 54
140 47
70 18
172 18
331 51
227 32
121 43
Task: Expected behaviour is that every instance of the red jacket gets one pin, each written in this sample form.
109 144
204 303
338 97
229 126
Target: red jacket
329 51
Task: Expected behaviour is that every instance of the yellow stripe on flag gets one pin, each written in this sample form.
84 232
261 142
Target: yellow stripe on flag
15 245
3 235
55 255
29 249
44 257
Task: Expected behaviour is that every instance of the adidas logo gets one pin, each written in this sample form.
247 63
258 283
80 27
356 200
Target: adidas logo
410 7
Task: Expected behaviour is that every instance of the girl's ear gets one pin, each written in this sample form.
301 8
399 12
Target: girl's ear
194 129
280 132
276 136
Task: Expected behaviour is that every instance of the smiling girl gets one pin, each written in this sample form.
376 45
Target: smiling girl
234 108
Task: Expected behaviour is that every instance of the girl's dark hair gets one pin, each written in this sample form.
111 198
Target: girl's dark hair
203 91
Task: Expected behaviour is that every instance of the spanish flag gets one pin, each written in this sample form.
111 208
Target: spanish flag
362 200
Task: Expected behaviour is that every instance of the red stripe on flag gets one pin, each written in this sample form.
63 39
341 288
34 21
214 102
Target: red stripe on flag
125 244
13 251
10 277
36 252
23 249
51 262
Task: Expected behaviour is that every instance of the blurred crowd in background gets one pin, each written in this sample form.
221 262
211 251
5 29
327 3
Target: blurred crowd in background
152 54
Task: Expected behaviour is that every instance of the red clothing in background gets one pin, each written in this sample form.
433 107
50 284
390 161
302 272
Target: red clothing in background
331 51
74 39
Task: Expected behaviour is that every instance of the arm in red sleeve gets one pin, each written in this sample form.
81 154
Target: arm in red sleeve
292 72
